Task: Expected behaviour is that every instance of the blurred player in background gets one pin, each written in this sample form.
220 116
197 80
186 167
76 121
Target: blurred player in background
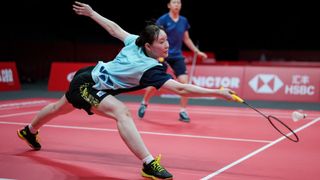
176 27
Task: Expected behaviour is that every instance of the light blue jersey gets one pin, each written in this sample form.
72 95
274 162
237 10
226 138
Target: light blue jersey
126 70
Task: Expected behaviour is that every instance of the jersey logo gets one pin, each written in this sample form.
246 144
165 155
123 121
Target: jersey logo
100 93
104 76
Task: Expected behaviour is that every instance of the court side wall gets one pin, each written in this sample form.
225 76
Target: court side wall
254 82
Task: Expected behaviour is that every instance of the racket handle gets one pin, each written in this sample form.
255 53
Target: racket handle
237 98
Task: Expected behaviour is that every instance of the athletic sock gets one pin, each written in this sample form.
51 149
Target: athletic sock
31 129
148 159
143 102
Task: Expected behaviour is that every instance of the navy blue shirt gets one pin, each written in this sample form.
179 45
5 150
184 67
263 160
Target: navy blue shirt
175 32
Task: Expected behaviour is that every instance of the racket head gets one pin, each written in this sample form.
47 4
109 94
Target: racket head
283 129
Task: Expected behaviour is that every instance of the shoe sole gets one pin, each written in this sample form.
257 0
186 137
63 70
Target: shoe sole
141 115
24 139
183 120
143 174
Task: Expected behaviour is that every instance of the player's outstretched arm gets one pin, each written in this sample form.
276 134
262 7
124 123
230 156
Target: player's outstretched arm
113 28
197 91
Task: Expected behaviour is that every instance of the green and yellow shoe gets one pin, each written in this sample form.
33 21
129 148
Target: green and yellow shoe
155 171
31 139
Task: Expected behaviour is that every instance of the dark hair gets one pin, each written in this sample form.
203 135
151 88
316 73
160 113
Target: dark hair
168 1
148 35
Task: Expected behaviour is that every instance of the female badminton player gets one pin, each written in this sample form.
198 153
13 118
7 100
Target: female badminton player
93 88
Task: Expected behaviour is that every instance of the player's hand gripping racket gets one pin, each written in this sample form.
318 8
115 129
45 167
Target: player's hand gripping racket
280 126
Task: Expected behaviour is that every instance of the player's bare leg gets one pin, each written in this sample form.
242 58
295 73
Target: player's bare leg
150 91
183 115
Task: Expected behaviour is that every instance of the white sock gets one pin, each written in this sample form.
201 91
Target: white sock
143 102
32 130
148 159
183 110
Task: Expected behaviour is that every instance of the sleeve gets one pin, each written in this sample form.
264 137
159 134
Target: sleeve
130 39
160 21
155 77
187 25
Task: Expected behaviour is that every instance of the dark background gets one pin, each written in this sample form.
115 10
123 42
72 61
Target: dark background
39 32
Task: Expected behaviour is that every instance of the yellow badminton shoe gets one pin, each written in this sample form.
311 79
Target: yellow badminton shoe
28 137
155 171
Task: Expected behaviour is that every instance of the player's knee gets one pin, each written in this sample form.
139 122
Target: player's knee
53 107
123 111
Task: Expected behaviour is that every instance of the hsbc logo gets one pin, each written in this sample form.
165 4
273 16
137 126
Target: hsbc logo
265 83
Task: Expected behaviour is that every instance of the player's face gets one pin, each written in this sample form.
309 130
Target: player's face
160 46
175 6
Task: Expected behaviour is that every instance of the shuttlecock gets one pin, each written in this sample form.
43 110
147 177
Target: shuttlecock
161 59
296 116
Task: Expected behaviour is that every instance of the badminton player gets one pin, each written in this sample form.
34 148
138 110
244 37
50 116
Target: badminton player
176 27
93 88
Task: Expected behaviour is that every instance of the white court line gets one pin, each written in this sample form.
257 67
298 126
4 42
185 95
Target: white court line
160 108
23 104
146 132
196 112
18 114
258 151
280 113
245 114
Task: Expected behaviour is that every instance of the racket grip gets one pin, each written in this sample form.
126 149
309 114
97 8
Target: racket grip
237 98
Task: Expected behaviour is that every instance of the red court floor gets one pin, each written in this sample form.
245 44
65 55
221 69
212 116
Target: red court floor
222 143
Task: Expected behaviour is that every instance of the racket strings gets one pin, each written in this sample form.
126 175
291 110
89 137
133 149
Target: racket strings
283 129
278 125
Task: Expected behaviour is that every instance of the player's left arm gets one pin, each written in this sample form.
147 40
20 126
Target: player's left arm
189 43
113 28
191 90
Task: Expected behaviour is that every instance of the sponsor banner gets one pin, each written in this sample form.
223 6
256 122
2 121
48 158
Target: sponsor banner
282 84
62 73
214 77
218 76
9 79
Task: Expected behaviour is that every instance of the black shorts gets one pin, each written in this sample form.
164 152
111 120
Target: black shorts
81 94
178 66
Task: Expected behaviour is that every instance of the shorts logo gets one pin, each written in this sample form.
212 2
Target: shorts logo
100 93
265 83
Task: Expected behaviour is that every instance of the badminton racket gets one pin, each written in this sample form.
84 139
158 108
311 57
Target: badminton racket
193 66
278 125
